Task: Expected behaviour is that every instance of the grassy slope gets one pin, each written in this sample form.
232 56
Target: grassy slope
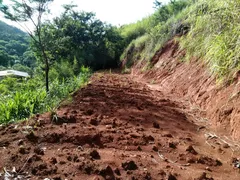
213 34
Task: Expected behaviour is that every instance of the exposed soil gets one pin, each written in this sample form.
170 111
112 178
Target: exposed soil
117 128
193 83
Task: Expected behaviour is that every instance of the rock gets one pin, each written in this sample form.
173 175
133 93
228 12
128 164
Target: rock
129 165
139 148
156 125
94 154
191 150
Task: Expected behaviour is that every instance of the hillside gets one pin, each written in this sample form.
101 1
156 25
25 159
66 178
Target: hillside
14 45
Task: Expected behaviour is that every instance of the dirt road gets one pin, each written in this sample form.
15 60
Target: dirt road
117 128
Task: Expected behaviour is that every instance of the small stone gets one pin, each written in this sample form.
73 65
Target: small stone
139 148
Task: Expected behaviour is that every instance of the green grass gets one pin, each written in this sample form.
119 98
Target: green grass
214 36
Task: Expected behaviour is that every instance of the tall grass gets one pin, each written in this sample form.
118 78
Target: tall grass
215 35
21 99
158 28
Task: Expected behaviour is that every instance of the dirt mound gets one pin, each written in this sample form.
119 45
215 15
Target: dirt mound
114 128
193 83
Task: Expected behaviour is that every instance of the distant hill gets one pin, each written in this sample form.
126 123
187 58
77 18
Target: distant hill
13 44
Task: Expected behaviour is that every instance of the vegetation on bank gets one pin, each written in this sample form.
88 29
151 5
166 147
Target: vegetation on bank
22 98
209 30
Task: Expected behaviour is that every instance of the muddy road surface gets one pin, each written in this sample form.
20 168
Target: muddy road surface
117 128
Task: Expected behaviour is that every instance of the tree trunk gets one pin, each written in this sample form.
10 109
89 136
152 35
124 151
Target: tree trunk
46 74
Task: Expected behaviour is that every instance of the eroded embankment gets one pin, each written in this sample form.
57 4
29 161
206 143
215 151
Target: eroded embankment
193 83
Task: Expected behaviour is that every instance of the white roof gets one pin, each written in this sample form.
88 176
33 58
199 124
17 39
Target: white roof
13 72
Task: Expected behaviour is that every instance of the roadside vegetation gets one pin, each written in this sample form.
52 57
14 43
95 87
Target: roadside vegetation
21 98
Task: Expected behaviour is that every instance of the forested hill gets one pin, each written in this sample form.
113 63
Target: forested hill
8 32
14 44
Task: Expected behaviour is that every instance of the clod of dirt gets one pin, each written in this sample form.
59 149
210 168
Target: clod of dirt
89 112
225 146
117 171
203 176
20 142
139 148
94 154
107 173
156 125
171 177
129 165
53 160
39 151
94 122
32 137
191 150
59 120
209 161
22 150
155 148
172 145
167 135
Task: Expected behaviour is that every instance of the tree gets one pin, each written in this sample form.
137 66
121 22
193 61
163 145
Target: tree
31 11
81 39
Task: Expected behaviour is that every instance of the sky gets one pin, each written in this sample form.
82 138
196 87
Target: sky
115 12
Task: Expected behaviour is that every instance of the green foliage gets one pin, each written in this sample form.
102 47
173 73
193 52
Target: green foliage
214 35
21 98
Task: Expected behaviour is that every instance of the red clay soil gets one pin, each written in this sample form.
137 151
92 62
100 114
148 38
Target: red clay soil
116 128
193 83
